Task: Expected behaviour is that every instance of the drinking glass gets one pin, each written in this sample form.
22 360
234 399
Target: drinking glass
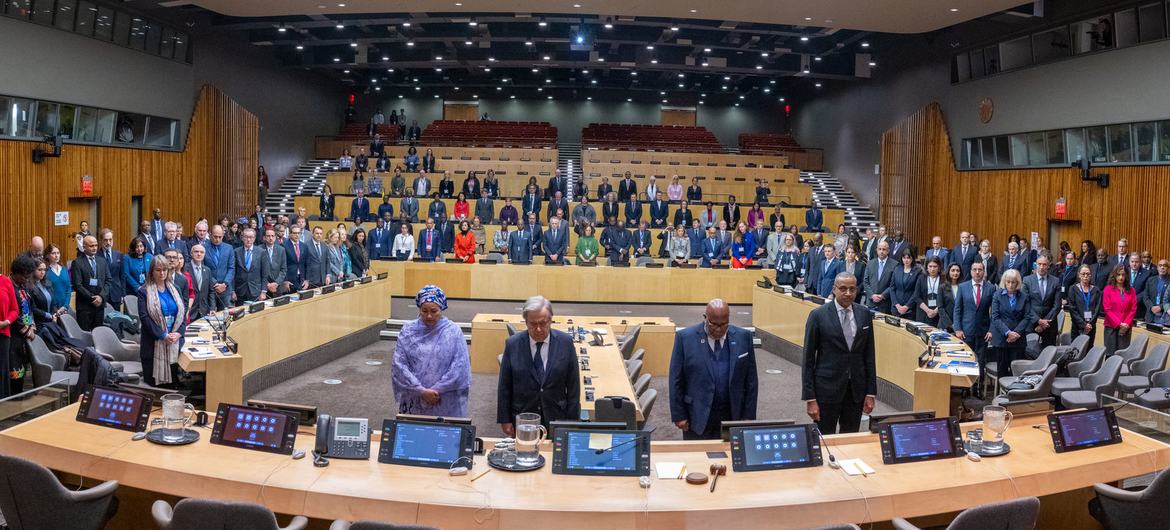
529 434
177 414
995 422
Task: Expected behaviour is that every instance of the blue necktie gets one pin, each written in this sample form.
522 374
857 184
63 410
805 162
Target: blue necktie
248 259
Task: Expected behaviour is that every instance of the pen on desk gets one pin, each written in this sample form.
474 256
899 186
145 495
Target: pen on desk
486 471
682 472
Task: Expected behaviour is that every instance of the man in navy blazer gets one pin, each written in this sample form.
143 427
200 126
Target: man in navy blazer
826 272
633 212
430 242
972 317
658 211
520 247
1044 291
171 240
1014 259
555 241
221 259
839 376
712 375
937 250
965 253
538 372
376 241
296 252
359 208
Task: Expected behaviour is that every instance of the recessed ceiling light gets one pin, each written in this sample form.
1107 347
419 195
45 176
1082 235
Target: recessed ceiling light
499 88
954 10
528 43
703 95
759 67
341 26
804 39
282 29
534 70
589 98
548 80
680 85
436 96
300 46
513 96
763 54
737 104
682 76
694 11
438 69
406 24
391 70
871 63
772 81
550 97
806 70
782 100
416 80
378 88
601 59
608 25
410 43
727 78
458 3
473 23
633 73
542 23
337 59
594 81
701 102
476 96
661 92
767 90
664 101
808 18
865 45
456 88
546 57
385 57
491 59
540 89
653 61
629 100
818 59
706 50
400 96
345 71
704 64
467 42
416 89
487 69
340 5
742 97
724 87
818 85
585 72
353 45
650 47
438 57
674 28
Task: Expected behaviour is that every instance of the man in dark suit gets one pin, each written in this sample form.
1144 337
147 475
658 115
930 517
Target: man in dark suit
972 320
633 211
430 242
839 378
1122 256
376 240
879 274
530 203
936 249
359 208
106 251
1014 259
91 282
616 240
531 227
538 372
712 249
555 241
697 235
251 271
627 188
1154 296
683 216
824 275
171 240
420 186
158 226
1138 277
1044 291
201 281
900 245
814 219
295 254
409 207
965 253
642 240
872 243
275 265
313 265
221 259
713 375
520 247
414 132
760 235
437 208
731 212
558 203
447 230
658 211
485 209
377 147
556 183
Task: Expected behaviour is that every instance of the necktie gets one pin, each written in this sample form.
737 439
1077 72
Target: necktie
269 254
248 259
978 293
1011 261
716 345
1043 284
297 251
847 326
827 263
538 364
881 267
109 257
198 277
93 265
317 246
1132 277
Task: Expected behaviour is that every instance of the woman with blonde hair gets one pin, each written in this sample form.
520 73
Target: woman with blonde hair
162 310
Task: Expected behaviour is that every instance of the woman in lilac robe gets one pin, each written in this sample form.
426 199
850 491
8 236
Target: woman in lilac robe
432 369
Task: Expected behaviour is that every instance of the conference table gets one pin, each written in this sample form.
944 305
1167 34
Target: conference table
897 350
795 498
268 338
607 373
656 336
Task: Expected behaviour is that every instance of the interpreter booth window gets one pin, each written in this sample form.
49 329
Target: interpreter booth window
160 132
131 128
1096 145
1016 53
122 28
1144 134
86 19
95 125
1074 140
987 149
1152 22
1055 146
42 12
47 123
19 117
1093 34
1051 45
104 27
1164 141
138 33
1019 146
1120 143
1125 28
66 14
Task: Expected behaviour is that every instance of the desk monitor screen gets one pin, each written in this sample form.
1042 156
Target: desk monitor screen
114 408
254 428
601 452
918 440
1081 429
777 447
426 444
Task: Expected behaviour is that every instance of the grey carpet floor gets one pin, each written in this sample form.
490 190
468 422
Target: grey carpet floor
682 314
365 390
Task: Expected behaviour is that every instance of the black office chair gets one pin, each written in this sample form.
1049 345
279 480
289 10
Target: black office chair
1120 509
198 514
511 330
31 498
373 525
616 409
1016 514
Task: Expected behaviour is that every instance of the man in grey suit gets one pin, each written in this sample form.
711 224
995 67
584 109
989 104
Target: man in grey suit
485 209
251 271
409 208
315 267
839 377
555 241
276 265
879 273
713 375
724 239
1044 290
557 202
421 185
201 277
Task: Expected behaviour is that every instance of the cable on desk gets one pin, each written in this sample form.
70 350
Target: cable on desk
848 480
480 518
81 473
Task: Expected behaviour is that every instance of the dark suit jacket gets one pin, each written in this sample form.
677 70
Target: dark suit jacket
873 284
294 267
973 320
81 273
731 215
1045 304
1139 286
944 303
360 209
313 264
519 390
658 213
554 205
633 212
904 290
428 163
1004 318
692 382
556 184
627 189
830 365
684 217
822 279
163 245
694 193
203 293
1020 264
249 281
276 266
1151 296
956 256
1077 306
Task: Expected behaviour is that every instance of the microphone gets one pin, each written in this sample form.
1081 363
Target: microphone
832 460
615 446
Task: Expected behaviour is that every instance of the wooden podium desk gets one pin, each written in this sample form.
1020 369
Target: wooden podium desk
796 498
657 337
278 333
570 283
896 350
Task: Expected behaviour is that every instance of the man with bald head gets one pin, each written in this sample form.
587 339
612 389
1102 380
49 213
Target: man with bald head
36 248
712 375
839 379
91 282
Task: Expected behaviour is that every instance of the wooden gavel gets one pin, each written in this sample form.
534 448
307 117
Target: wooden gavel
717 470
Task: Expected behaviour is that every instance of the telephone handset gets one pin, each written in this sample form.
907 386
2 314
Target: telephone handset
347 438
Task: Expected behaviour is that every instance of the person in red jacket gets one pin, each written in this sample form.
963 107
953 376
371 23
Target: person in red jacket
465 243
9 312
1119 301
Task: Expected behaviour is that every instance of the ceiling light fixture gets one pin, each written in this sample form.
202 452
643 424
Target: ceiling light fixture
589 98
680 85
634 73
391 70
491 59
674 28
300 46
540 89
345 71
804 39
817 59
534 70
706 50
742 97
341 26
759 67
282 29
528 43
661 92
436 96
378 88
473 23
488 70
818 85
416 89
353 45
680 76
694 11
737 104
410 43
703 95
546 57
542 23
629 100
782 100
865 45
337 59
406 24
601 59
767 90
701 102
594 81
438 57
664 101
650 47
871 63
763 54
705 64
608 25
385 57
653 61
724 87
954 10
550 97
772 81
467 42
513 96
438 69
806 70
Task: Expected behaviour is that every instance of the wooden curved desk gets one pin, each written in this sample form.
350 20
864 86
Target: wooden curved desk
797 498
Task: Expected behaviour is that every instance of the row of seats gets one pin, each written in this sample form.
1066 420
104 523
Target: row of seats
645 137
768 142
360 131
459 132
31 497
717 189
654 158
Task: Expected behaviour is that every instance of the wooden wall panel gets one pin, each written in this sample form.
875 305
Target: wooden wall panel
682 117
214 174
924 194
460 111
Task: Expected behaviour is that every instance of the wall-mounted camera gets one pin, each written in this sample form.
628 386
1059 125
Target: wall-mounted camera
1086 167
53 145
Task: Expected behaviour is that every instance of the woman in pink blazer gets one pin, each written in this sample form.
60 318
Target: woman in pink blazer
1119 302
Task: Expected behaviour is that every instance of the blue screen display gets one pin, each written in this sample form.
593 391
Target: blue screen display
1083 428
255 428
114 408
775 445
428 443
921 438
622 457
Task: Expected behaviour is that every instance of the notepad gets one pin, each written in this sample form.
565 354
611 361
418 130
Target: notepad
855 466
963 370
600 441
670 470
199 353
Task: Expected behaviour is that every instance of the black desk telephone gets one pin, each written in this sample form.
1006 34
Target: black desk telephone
347 438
